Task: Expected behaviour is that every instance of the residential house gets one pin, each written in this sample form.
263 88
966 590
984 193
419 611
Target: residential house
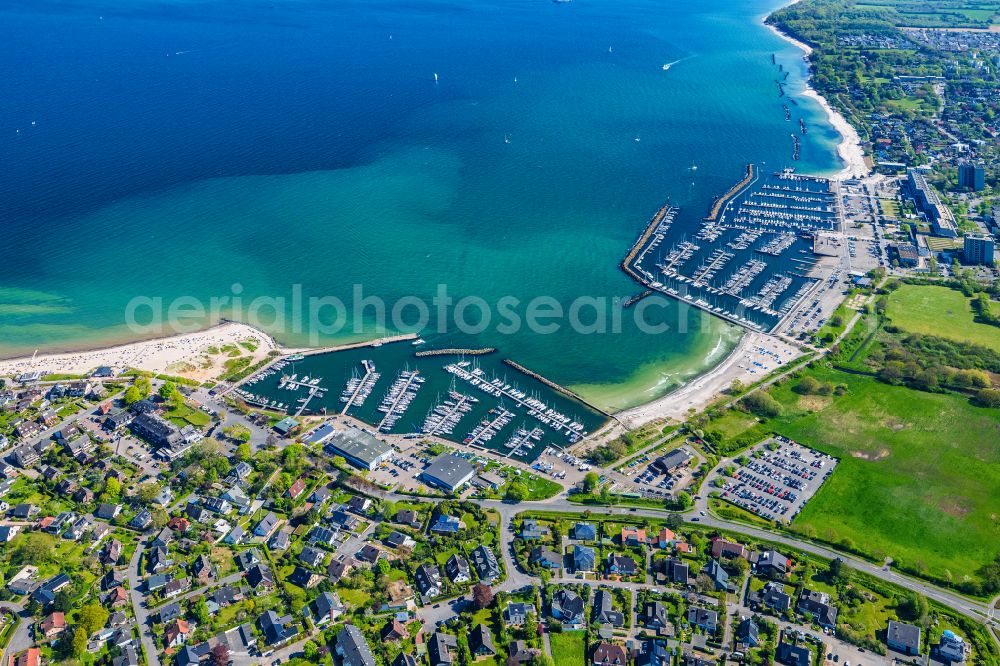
620 565
585 531
428 579
481 642
604 611
457 568
633 536
53 624
304 578
326 608
773 596
817 604
657 615
106 511
442 649
485 562
748 633
903 637
723 548
609 654
277 629
771 563
584 558
260 579
793 655
532 531
177 633
266 525
567 606
352 647
516 613
704 618
544 557
313 557
718 575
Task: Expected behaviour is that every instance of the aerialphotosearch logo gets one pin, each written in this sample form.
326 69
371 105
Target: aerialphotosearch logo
328 316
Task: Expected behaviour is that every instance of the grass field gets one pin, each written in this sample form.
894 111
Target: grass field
919 473
568 647
940 311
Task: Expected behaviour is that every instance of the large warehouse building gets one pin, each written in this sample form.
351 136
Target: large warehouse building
448 472
358 448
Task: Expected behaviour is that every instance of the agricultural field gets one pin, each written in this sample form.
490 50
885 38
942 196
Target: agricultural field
940 311
942 14
919 473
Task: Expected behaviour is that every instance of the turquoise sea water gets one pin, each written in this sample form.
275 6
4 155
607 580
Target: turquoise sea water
166 149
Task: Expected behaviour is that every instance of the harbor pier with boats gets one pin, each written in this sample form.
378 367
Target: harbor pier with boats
752 259
477 399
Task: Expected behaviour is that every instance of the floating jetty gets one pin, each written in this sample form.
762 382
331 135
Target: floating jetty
444 418
398 398
358 389
488 428
536 408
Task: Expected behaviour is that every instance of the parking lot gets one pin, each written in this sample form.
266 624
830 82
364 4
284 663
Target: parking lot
776 484
654 483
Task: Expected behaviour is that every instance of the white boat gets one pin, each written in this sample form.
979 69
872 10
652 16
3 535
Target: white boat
435 77
418 342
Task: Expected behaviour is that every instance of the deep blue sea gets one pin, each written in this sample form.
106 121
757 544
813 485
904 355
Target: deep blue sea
167 149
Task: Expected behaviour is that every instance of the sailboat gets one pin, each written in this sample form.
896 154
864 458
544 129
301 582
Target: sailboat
506 139
435 77
515 79
609 49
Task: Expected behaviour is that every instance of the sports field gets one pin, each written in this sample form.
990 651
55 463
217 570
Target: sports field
919 477
940 311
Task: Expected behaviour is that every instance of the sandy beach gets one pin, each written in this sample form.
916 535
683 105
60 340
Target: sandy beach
188 355
849 149
755 355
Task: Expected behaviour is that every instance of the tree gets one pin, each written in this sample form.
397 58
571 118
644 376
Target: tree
220 655
837 570
91 618
590 481
79 642
147 492
200 612
988 397
112 488
310 651
168 391
482 596
132 395
516 492
243 452
685 500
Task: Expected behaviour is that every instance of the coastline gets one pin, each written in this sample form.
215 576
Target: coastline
849 150
700 391
152 355
161 354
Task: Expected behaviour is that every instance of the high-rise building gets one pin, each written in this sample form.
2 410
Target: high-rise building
971 177
979 249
